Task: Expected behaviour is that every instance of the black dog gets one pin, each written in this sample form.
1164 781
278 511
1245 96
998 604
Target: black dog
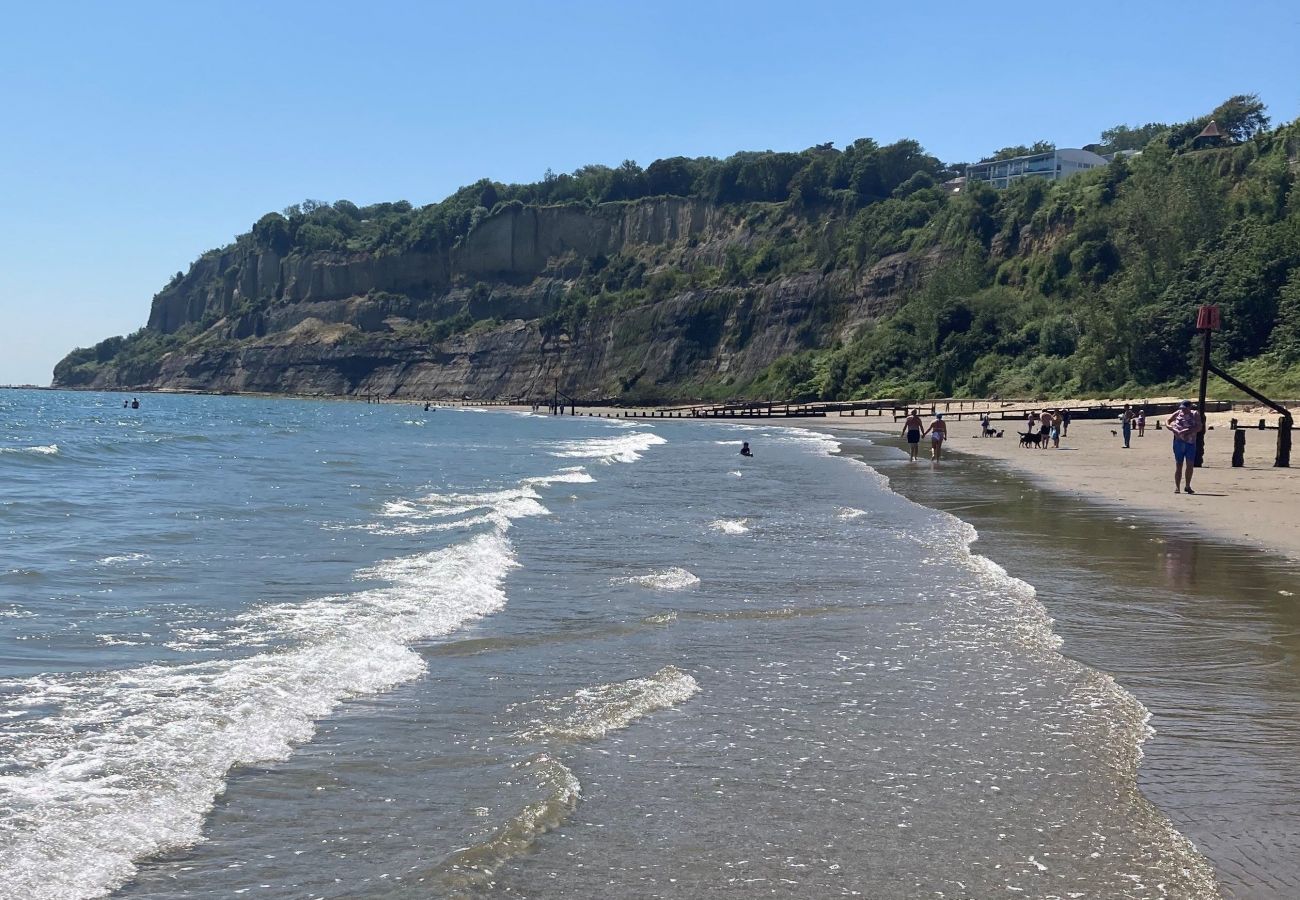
1030 438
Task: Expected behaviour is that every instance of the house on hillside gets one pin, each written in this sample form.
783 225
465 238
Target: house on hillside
1052 165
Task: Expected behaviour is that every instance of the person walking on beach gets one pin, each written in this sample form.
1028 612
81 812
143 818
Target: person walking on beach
1056 431
1186 424
1065 423
1126 424
912 432
1142 421
1045 429
938 432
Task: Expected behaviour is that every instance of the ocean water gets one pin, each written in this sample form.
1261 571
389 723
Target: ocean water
307 649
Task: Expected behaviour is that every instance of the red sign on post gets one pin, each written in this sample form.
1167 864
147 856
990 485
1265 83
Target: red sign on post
1207 318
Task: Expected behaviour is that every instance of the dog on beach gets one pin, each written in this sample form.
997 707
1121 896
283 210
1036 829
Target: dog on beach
1030 438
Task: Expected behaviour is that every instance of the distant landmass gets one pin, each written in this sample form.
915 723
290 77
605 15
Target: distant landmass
822 274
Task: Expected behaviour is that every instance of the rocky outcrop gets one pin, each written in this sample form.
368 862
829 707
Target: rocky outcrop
515 246
335 324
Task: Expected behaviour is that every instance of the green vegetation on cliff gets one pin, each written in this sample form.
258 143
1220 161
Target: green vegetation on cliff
1088 285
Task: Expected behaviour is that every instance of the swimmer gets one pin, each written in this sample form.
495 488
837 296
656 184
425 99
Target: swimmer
744 449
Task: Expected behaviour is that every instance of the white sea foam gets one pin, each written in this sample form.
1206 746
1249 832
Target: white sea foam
132 760
497 506
42 450
816 440
591 713
123 558
135 758
673 579
849 513
625 448
730 526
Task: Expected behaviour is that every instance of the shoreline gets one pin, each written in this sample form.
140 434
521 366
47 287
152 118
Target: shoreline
1252 506
1156 607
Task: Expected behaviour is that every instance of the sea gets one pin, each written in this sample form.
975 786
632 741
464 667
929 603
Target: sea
312 649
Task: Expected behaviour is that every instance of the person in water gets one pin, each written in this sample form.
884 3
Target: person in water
744 449
1186 424
135 404
938 432
912 432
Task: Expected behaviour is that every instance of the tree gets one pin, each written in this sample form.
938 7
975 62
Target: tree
271 232
1122 137
1241 117
675 175
1021 150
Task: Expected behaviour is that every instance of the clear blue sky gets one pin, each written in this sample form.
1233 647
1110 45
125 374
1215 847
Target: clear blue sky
138 134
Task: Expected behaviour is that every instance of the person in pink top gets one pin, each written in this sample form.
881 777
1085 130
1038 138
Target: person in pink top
1185 424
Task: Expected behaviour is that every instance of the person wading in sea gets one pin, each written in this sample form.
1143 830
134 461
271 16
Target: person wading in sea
912 432
938 432
1185 424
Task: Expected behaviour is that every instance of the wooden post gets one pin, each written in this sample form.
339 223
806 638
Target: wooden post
1283 458
1238 448
1205 377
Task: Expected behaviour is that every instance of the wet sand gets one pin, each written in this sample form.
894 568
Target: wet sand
1206 634
1254 505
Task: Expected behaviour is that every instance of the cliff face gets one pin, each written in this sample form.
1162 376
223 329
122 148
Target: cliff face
337 324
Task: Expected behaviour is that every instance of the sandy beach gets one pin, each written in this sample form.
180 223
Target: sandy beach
1254 504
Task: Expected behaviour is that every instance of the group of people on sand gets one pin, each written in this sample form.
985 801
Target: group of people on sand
1185 424
1050 425
914 429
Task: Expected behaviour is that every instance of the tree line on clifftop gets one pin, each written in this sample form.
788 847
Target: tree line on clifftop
1087 285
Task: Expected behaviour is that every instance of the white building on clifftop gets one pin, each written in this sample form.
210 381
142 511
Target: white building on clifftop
1052 165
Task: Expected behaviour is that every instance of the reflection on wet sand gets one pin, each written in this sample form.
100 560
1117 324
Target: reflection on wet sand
1206 636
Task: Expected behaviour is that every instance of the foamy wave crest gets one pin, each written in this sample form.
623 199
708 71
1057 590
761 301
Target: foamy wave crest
823 443
661 618
848 513
673 579
42 450
730 526
501 506
592 713
132 762
625 448
123 558
560 791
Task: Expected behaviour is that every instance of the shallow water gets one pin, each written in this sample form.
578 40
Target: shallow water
333 650
1207 636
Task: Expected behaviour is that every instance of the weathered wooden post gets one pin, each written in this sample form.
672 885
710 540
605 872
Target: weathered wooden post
1207 322
1283 458
1238 448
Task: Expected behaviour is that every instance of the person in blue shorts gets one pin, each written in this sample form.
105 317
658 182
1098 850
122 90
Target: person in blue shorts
1185 424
